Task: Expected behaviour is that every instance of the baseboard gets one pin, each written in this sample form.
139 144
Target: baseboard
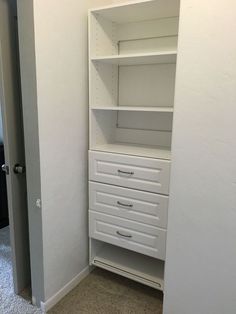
46 306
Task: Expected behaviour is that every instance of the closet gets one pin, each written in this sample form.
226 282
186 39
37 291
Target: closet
132 64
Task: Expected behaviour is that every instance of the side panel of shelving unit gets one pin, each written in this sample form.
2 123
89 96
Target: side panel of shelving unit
102 36
103 84
102 79
102 128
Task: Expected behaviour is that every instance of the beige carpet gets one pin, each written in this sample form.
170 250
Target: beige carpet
103 292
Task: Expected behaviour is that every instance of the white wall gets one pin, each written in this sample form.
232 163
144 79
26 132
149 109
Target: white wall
62 96
201 246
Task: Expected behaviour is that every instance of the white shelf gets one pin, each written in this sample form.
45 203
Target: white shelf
132 265
126 108
142 58
139 11
136 150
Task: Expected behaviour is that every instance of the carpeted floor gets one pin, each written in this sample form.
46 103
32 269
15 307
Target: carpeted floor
103 292
9 302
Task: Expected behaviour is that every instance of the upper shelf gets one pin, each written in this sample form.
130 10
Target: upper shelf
135 59
139 10
131 108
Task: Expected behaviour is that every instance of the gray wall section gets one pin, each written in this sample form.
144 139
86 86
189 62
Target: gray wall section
30 118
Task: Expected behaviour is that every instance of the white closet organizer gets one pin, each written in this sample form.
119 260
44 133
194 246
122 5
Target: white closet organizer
132 64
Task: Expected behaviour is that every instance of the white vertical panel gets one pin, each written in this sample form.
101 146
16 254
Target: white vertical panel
103 125
103 84
102 36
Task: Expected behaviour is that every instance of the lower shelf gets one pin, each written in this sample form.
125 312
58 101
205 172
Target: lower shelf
136 150
138 267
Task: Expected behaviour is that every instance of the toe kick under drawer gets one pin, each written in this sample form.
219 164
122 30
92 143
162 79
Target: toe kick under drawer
147 174
138 237
144 207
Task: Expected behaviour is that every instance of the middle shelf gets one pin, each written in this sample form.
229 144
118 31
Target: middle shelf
135 150
139 58
132 108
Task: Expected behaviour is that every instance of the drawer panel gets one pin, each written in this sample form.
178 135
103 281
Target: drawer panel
140 173
148 208
141 238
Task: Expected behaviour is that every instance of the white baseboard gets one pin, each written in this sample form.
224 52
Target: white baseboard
46 306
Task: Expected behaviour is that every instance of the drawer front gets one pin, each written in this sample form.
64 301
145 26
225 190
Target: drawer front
140 173
148 208
141 238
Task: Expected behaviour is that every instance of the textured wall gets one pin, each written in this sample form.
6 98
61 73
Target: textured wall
201 245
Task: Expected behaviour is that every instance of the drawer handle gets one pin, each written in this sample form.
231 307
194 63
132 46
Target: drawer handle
125 172
124 235
125 205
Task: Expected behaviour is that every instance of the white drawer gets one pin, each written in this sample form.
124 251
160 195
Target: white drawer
148 208
130 171
135 236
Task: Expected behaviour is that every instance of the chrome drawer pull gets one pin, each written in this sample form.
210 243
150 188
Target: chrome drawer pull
125 205
126 172
124 235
